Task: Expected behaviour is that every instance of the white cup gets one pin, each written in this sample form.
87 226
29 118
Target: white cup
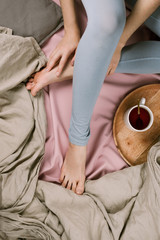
141 105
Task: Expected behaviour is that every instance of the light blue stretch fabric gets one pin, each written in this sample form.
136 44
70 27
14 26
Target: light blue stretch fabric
106 20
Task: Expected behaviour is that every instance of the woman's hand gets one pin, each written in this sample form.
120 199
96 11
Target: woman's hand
63 51
115 60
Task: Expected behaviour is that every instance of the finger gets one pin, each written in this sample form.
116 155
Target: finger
108 72
114 66
112 71
55 53
61 64
109 69
53 61
73 60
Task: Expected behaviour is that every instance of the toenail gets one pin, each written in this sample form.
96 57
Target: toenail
79 192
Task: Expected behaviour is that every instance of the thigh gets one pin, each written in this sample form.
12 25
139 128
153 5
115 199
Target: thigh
153 22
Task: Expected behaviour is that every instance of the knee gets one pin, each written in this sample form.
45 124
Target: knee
111 24
108 24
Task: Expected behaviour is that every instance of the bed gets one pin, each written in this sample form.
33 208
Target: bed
119 202
103 158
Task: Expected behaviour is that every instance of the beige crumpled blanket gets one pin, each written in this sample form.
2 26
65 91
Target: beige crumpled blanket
122 205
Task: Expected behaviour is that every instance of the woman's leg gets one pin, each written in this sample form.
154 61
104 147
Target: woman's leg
143 57
140 58
106 20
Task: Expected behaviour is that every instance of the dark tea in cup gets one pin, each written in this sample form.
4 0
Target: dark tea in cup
139 119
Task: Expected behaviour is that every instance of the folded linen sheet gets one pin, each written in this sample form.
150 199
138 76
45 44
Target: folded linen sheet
22 120
118 206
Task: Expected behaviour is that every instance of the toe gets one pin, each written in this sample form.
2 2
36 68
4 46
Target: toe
31 80
29 85
80 187
36 88
33 74
65 182
61 177
74 184
69 185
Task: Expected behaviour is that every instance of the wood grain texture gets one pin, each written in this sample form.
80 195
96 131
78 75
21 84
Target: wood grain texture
134 146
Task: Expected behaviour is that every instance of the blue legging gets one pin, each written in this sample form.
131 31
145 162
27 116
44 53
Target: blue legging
106 20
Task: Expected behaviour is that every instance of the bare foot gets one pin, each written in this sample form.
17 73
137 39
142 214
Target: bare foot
43 78
73 169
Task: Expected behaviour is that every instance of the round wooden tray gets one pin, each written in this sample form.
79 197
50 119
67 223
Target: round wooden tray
134 146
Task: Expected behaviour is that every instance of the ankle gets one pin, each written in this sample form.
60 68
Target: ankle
73 146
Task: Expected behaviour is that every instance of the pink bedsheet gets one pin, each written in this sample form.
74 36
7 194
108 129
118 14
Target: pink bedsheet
102 155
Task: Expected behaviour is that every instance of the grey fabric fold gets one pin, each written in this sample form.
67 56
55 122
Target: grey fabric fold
124 205
32 18
22 120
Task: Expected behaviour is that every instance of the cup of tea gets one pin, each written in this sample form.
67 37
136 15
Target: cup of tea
139 118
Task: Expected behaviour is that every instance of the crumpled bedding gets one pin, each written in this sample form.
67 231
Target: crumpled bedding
123 205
